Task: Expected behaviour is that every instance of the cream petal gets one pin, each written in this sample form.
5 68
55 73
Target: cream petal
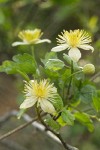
47 106
42 41
59 48
19 43
86 47
74 54
28 103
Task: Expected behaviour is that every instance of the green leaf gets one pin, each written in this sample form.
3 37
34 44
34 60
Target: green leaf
8 67
53 124
87 92
54 64
68 117
67 58
52 75
65 74
96 103
50 55
79 76
58 103
23 63
61 121
85 120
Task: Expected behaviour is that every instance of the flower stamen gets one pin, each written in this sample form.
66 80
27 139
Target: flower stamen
73 41
41 92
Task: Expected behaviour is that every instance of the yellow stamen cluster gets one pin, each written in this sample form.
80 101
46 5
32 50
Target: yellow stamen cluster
30 35
41 89
41 93
74 38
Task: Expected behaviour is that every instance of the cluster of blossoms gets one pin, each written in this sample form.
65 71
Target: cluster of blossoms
43 93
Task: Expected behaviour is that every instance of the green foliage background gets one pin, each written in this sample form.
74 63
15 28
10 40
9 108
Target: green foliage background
52 16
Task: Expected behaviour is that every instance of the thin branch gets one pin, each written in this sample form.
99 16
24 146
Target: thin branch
55 118
66 146
17 129
37 125
95 76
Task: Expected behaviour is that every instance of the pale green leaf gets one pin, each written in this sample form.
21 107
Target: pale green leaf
54 64
23 63
58 103
85 120
53 124
61 121
87 93
50 55
68 117
96 103
67 58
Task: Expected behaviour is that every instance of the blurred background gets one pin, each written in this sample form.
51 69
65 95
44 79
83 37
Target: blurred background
52 16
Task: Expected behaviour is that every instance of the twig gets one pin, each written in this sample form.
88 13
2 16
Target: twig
36 125
55 118
66 146
18 128
95 76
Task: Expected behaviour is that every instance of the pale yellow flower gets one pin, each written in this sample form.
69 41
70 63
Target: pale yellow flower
43 93
30 37
73 41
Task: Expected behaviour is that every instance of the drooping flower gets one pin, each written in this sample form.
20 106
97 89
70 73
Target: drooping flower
30 37
73 41
43 93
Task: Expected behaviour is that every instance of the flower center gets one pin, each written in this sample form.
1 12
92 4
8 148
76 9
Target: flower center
30 35
73 38
41 92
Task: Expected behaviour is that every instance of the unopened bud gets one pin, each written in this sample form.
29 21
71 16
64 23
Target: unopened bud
89 69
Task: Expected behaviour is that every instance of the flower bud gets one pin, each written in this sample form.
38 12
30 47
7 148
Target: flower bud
89 69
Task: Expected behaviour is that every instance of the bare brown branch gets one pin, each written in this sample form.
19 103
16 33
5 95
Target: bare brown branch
17 129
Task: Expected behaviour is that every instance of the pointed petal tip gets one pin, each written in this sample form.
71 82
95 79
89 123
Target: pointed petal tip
13 44
59 48
19 43
42 41
92 49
